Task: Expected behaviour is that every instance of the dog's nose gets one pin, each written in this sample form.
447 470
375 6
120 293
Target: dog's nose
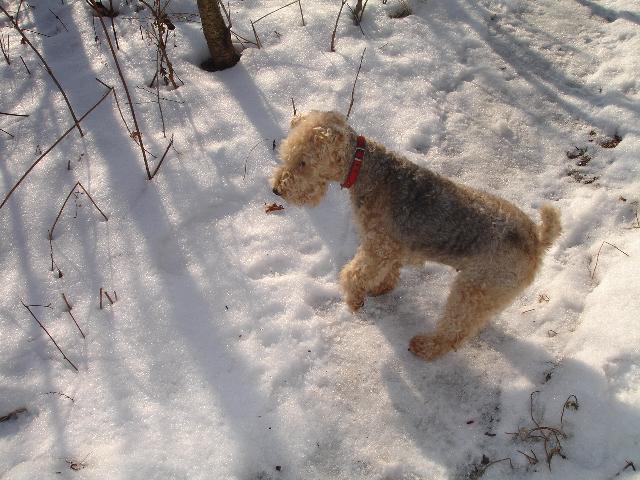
275 190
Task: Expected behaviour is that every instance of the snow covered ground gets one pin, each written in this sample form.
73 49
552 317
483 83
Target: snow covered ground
228 353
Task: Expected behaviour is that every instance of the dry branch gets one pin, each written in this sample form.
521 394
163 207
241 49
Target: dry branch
64 297
52 147
335 28
598 256
5 49
49 335
13 114
77 184
46 66
137 134
353 90
155 171
60 20
4 131
25 65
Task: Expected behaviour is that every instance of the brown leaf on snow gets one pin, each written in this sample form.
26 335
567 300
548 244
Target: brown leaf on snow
273 207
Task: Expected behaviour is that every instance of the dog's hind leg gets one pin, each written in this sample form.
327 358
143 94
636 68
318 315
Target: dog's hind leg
474 299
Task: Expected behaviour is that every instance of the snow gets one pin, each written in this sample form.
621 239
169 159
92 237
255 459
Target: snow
228 353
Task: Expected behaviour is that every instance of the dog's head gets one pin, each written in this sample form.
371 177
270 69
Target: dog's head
313 154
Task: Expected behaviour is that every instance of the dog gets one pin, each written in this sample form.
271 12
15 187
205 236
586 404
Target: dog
408 215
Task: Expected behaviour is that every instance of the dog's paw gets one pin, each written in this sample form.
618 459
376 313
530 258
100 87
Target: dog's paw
354 303
428 347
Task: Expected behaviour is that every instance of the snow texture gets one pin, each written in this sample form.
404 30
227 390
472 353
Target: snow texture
228 353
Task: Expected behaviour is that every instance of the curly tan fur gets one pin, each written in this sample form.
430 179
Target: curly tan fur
407 215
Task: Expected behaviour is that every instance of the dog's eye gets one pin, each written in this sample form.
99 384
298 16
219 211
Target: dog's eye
302 164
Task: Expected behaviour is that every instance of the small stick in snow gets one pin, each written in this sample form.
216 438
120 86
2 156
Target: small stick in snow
60 395
301 14
5 50
115 95
12 415
64 297
49 335
25 65
353 90
598 256
572 403
335 28
13 114
278 9
46 65
155 171
53 263
294 106
58 18
109 297
533 460
138 134
255 34
51 147
77 184
10 134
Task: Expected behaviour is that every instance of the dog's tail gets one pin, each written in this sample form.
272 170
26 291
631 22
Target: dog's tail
550 228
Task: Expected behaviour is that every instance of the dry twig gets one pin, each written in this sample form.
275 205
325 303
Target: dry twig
353 90
598 256
64 297
46 66
52 147
49 335
77 184
335 28
137 134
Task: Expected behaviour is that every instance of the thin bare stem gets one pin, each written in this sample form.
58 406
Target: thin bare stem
280 8
137 134
59 19
108 296
49 335
10 134
115 95
64 297
568 403
294 106
5 50
46 66
253 27
14 114
52 147
531 408
25 65
335 28
301 14
353 90
77 184
598 256
155 171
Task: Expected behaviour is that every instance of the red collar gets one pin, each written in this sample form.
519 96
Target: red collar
358 158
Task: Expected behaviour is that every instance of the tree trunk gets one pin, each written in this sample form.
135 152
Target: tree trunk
218 36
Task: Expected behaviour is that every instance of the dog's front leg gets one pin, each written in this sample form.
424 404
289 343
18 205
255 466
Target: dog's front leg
366 273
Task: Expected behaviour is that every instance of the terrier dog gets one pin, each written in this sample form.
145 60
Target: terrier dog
407 215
